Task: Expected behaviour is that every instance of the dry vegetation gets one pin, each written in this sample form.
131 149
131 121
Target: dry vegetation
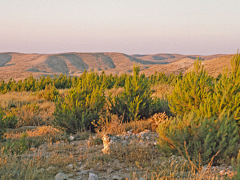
51 150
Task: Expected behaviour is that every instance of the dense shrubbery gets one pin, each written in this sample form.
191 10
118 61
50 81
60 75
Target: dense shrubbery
206 111
199 92
136 100
7 121
62 81
49 93
203 137
81 106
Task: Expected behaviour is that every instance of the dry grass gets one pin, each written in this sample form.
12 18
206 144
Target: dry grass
39 131
116 126
51 152
29 109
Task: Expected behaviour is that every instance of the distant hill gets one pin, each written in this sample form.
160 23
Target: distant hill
215 66
19 66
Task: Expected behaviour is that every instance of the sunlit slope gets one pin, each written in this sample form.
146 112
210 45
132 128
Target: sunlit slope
175 67
19 66
168 58
216 66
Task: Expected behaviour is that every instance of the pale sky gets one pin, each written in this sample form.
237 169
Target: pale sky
200 27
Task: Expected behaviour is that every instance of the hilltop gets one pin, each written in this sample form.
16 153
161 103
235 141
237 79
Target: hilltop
19 65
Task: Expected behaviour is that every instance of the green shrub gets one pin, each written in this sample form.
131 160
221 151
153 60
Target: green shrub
10 120
190 91
136 100
17 146
7 121
199 92
79 108
49 93
2 125
204 137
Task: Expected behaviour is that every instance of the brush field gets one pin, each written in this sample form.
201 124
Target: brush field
165 126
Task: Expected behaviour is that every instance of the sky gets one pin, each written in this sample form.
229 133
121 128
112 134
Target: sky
193 27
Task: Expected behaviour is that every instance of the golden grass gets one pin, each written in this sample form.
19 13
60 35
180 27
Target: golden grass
39 131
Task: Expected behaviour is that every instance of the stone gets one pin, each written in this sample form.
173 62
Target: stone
70 166
116 177
61 176
71 138
93 176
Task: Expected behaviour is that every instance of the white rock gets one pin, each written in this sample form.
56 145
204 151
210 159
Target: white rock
61 176
93 176
148 138
71 138
70 166
116 177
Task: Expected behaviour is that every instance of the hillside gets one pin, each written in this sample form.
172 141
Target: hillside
215 66
19 66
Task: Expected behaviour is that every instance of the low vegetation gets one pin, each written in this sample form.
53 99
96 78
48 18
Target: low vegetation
195 118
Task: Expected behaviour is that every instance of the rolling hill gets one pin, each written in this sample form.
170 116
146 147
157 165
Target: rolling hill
19 66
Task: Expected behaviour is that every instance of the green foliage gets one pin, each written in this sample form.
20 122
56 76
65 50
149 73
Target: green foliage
190 91
203 137
17 146
7 121
2 125
199 92
81 106
49 93
10 120
136 100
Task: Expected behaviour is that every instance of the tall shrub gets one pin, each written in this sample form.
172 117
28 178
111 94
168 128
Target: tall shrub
200 137
136 100
79 107
190 91
199 92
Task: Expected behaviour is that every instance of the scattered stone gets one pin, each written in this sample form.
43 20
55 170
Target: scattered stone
61 176
93 176
116 177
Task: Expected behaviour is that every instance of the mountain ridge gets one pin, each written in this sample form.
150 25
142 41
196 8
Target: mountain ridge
21 65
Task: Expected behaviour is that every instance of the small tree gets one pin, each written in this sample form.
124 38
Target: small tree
200 137
191 91
80 107
135 101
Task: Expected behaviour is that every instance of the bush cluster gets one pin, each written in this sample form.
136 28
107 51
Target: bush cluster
207 112
199 92
200 138
136 100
